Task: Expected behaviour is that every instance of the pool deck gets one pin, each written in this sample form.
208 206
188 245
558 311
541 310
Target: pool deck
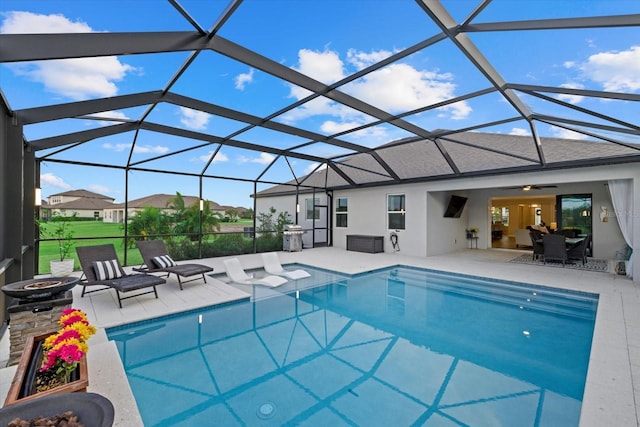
613 379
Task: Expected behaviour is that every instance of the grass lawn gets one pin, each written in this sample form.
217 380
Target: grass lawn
86 233
90 233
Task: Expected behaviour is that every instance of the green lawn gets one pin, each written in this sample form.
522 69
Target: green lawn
87 233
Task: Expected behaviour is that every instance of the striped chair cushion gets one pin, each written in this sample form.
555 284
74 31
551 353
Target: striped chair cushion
106 270
164 261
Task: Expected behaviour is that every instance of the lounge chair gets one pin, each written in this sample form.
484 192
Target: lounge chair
238 275
272 266
157 260
101 267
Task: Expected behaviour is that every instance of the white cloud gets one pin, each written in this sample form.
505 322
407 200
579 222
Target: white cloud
194 119
220 157
332 127
244 78
566 134
616 71
362 59
119 116
263 159
100 189
54 181
326 67
78 78
519 132
396 88
139 148
572 99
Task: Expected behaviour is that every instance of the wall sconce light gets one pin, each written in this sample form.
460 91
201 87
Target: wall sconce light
604 214
201 205
553 225
38 197
297 207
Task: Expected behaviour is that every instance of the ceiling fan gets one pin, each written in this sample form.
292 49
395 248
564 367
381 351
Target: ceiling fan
529 187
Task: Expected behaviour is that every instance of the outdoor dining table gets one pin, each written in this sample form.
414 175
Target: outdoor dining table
569 241
572 241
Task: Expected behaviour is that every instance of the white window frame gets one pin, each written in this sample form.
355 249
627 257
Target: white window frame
402 211
309 204
344 213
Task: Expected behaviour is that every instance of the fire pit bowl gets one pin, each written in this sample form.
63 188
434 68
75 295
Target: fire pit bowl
34 289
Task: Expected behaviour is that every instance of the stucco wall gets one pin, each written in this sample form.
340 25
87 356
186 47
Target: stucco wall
428 233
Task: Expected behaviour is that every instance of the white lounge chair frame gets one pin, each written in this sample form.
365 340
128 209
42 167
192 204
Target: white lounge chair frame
237 274
272 266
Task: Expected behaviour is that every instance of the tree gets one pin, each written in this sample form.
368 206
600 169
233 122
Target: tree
267 223
186 219
247 214
232 214
149 223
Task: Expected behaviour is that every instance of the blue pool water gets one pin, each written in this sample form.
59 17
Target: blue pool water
395 347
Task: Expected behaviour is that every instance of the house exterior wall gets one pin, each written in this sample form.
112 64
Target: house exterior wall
428 233
80 213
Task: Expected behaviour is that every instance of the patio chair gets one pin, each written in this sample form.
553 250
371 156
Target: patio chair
237 274
157 260
272 266
579 251
555 248
100 267
538 247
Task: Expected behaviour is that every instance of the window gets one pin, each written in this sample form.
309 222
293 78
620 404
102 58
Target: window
311 212
500 215
574 212
395 211
341 212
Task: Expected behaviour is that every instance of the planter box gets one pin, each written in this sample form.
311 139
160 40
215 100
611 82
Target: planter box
61 268
23 384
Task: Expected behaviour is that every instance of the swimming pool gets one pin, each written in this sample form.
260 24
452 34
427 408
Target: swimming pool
397 346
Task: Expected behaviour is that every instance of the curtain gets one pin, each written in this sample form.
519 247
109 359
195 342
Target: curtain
621 191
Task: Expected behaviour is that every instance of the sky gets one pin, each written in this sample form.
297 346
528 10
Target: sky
327 40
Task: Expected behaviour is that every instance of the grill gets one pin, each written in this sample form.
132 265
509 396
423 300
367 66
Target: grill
292 238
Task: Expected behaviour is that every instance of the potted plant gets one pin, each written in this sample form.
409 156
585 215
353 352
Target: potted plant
62 232
472 232
55 362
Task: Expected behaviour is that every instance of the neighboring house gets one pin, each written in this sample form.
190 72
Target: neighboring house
414 211
115 212
82 203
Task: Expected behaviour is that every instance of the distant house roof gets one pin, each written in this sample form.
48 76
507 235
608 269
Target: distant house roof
83 203
161 201
83 193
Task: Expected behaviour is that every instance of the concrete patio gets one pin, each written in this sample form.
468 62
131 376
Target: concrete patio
614 370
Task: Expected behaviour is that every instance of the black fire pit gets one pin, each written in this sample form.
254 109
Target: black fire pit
39 289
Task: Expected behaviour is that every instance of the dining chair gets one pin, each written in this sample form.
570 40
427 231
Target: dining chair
555 248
